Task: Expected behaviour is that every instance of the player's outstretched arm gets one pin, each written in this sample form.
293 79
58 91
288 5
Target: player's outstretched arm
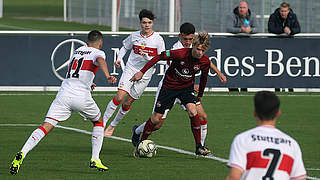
104 67
222 78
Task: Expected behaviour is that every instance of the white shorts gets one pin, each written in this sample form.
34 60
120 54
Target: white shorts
134 89
62 107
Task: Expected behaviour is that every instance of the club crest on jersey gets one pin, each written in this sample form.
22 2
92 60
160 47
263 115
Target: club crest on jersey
185 71
158 104
121 85
182 62
196 67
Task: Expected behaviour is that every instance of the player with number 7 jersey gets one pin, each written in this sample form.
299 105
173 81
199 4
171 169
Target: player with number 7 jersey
265 152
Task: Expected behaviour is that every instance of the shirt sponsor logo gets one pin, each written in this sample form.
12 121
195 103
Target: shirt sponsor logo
82 52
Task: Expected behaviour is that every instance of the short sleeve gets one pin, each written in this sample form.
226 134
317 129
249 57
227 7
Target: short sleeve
98 54
127 43
237 157
298 169
161 47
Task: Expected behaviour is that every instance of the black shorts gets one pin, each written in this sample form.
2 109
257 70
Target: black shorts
167 97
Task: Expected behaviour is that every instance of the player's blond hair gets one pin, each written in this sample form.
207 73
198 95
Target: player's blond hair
203 39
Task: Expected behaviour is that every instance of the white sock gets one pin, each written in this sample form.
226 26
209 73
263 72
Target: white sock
33 140
111 108
203 134
139 129
97 140
121 113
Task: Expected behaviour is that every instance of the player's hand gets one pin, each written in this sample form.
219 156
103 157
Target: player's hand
93 85
222 78
196 88
111 79
137 76
117 64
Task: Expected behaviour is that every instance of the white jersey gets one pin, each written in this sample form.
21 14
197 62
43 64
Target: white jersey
152 45
265 152
81 71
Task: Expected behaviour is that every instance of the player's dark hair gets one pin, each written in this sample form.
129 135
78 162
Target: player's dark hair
94 36
144 13
266 105
187 28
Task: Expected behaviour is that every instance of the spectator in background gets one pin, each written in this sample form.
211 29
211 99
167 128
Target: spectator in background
242 20
283 21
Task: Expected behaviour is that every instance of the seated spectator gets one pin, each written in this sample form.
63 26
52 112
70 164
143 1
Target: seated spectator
283 21
242 20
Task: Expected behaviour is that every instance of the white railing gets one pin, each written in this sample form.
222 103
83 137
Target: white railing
72 33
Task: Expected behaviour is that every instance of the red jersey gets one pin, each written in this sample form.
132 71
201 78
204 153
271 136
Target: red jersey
182 70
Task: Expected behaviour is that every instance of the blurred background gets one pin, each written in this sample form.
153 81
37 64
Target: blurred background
209 15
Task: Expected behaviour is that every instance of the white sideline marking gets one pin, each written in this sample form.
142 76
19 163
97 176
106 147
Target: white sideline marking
163 147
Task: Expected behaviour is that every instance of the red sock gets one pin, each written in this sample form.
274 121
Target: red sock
148 128
196 129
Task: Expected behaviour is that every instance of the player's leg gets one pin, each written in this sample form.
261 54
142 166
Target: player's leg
189 100
57 110
204 127
97 141
90 110
148 128
112 107
203 122
124 109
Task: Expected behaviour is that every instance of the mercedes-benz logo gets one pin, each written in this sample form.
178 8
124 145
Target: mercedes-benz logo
55 69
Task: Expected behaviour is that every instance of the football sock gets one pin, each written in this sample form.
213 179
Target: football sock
203 131
121 113
97 140
139 129
111 108
148 128
34 139
195 127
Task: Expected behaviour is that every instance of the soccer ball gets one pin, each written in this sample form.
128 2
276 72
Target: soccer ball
147 149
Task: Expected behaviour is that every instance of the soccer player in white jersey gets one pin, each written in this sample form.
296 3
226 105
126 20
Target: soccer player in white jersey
186 36
144 45
75 95
265 152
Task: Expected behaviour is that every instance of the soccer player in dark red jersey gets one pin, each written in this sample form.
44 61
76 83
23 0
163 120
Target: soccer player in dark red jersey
179 83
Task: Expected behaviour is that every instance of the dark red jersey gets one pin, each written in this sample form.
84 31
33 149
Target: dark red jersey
182 70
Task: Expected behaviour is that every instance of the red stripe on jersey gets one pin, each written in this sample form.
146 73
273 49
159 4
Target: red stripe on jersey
86 65
139 49
44 130
254 160
286 164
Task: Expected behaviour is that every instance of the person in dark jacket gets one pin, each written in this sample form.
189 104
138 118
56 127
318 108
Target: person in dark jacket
242 20
283 20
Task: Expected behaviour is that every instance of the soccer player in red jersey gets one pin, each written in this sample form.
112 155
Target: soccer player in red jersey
179 83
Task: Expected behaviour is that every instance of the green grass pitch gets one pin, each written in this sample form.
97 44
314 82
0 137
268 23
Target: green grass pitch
65 154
